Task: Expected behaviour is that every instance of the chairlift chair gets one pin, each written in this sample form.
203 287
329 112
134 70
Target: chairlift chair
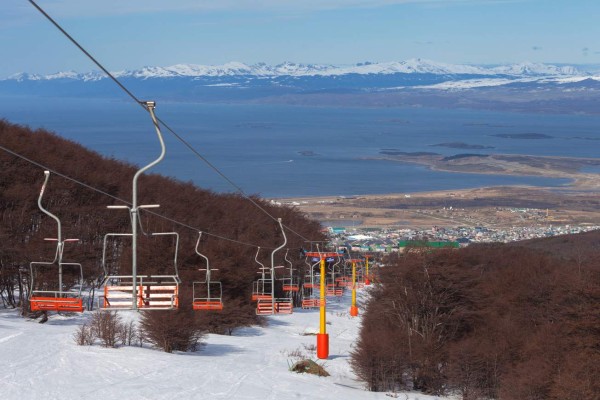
331 289
57 299
207 295
261 288
148 292
151 292
309 298
274 305
290 284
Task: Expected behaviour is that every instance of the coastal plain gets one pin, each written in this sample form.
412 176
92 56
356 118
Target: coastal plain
575 203
492 207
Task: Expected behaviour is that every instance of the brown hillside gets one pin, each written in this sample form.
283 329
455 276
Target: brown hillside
514 321
84 215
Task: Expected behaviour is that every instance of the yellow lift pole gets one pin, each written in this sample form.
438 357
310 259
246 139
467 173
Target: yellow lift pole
367 280
322 336
353 307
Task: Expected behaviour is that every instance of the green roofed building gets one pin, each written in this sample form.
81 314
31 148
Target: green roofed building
402 244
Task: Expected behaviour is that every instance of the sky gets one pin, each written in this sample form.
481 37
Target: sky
134 33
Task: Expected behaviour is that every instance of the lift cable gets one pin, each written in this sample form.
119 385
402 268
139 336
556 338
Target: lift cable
181 139
182 224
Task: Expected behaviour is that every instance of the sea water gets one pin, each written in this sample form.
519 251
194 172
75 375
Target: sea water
287 151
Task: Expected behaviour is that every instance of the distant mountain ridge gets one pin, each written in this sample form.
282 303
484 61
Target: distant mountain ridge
411 66
523 87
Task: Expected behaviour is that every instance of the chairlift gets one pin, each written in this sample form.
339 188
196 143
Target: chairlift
148 292
290 284
330 280
360 278
309 298
261 288
275 305
151 292
333 286
57 299
207 295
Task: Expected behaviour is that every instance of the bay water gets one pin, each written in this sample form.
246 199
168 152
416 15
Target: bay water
292 151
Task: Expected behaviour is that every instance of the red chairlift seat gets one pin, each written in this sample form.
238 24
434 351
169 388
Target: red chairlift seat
330 290
290 285
261 290
159 292
55 300
282 306
311 302
48 303
209 299
208 305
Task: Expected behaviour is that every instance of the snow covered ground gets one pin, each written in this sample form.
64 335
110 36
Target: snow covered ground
42 361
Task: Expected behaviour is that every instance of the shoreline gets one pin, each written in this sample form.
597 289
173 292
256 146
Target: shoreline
554 167
491 206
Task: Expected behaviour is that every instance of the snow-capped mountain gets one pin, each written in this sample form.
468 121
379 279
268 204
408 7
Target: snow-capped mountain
419 82
231 69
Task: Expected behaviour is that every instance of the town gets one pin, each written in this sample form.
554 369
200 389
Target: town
387 240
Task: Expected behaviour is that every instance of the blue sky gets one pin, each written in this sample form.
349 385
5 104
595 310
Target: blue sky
128 34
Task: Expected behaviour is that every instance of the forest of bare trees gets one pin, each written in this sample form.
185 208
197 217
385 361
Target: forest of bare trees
503 321
84 215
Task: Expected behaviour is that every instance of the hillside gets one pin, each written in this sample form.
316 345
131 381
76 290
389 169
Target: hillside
232 226
499 321
44 361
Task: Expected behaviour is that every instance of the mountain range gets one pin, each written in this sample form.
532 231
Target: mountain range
412 66
415 82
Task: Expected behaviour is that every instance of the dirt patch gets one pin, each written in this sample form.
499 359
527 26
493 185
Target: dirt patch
309 367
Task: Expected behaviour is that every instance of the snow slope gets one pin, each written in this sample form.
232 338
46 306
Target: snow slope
43 361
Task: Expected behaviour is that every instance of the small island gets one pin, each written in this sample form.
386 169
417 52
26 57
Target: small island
531 135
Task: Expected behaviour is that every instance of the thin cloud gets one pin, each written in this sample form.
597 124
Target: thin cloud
78 8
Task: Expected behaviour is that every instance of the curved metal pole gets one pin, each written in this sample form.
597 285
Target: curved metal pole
262 266
207 279
205 258
339 259
59 242
134 207
58 254
291 266
273 263
307 262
